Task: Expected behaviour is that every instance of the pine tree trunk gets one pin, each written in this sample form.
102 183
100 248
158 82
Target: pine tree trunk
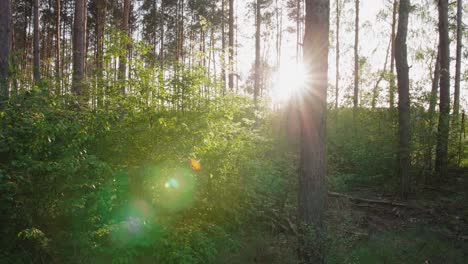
392 86
356 58
58 68
231 45
456 99
78 83
123 57
401 59
257 52
312 168
444 105
37 59
5 47
337 62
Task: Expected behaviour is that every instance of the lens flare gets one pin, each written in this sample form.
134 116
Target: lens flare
290 81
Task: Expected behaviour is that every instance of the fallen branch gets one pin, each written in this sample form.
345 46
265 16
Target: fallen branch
372 201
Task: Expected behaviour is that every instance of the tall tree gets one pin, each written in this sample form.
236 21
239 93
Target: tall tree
392 56
337 58
444 98
231 45
58 72
356 57
125 30
223 44
456 99
37 48
5 46
312 170
79 27
258 19
401 59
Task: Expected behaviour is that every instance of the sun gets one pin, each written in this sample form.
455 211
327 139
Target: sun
290 80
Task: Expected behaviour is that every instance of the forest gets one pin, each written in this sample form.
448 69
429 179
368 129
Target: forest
233 131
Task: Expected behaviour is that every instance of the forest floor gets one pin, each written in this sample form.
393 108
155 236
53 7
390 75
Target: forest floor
366 225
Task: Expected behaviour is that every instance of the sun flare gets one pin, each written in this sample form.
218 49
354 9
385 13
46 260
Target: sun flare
290 80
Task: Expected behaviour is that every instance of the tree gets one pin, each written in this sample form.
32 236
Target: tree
356 57
258 19
79 30
401 59
58 72
231 45
125 30
312 167
444 103
5 46
392 56
37 56
337 59
456 99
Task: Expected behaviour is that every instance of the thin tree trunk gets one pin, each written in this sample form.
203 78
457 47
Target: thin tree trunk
392 86
456 99
37 52
223 46
298 29
257 52
5 47
123 57
78 84
100 28
337 62
431 110
444 105
58 69
231 45
356 58
312 168
401 59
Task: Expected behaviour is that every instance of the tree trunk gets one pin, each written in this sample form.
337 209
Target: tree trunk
337 62
58 69
100 28
123 57
444 105
456 99
392 57
223 46
401 59
356 58
375 91
37 59
431 110
312 170
231 45
78 84
257 51
5 47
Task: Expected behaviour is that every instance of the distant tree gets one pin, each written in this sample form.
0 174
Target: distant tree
456 99
125 30
401 59
5 46
392 86
58 71
37 48
258 21
79 31
356 57
313 106
444 104
231 45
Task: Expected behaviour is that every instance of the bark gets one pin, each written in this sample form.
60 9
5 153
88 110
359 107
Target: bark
431 110
257 51
401 59
456 99
223 46
100 28
58 69
312 168
444 104
5 46
37 58
392 85
337 62
78 84
356 57
231 45
123 58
